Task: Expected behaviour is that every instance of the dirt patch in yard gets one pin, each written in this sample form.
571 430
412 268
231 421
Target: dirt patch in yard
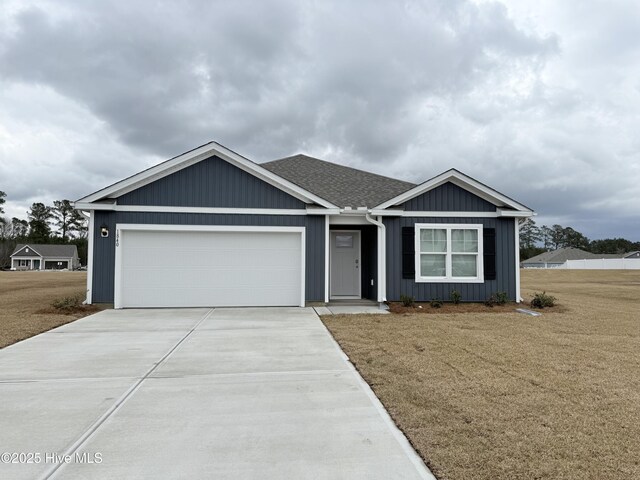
508 396
26 299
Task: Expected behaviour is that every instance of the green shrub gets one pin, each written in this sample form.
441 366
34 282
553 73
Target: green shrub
542 300
435 303
502 298
407 300
68 304
455 297
491 301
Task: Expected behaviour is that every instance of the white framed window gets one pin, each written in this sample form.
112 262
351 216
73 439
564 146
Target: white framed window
24 263
448 253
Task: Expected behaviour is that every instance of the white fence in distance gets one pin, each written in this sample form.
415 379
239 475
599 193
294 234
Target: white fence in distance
603 264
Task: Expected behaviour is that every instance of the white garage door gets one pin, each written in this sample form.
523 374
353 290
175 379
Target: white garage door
183 268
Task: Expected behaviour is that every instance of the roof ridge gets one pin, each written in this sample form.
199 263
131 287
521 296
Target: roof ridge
337 165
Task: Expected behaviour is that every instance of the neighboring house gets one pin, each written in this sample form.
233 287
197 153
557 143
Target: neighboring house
556 258
45 257
568 257
212 228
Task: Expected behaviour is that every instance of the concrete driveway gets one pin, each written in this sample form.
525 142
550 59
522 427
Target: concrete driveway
193 393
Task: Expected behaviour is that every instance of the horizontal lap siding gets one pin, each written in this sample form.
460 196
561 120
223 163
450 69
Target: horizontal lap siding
211 183
104 248
471 292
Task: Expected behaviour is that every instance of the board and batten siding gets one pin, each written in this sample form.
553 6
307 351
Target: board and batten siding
448 198
104 248
212 182
471 292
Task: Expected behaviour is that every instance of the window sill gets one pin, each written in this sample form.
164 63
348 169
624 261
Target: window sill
449 280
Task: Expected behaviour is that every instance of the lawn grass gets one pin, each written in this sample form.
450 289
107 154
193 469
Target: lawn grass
25 302
501 395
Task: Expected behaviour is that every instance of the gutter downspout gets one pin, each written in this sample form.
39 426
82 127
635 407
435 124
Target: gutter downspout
382 264
90 216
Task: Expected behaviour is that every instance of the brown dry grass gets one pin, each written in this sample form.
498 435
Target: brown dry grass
25 300
508 396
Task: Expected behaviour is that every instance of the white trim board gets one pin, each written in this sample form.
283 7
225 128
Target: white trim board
327 244
517 252
434 214
191 158
462 181
170 209
123 227
90 247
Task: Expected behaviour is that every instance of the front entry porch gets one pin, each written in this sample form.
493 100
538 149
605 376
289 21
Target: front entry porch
352 264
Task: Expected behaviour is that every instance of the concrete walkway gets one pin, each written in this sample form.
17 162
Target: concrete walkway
194 393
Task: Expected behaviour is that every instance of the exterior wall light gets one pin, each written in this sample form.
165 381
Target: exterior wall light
104 231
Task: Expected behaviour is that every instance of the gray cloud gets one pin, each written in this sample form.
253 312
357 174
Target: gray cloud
101 90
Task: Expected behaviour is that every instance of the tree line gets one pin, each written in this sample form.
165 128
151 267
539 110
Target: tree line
57 223
535 240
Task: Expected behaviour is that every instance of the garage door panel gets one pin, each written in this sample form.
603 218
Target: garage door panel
211 268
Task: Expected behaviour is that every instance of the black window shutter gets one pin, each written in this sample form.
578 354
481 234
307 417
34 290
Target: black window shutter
408 253
489 245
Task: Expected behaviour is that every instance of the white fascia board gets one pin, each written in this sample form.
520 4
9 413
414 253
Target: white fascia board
194 156
438 214
514 213
87 206
322 211
211 210
461 180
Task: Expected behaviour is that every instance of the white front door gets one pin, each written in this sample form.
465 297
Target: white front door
345 264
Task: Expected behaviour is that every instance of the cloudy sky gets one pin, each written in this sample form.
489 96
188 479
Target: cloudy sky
538 98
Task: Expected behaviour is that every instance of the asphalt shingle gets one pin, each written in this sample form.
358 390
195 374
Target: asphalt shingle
48 250
340 185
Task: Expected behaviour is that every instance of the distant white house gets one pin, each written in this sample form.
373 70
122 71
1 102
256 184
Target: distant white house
575 258
45 257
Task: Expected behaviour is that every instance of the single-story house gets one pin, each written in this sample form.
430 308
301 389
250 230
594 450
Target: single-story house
44 257
558 258
212 228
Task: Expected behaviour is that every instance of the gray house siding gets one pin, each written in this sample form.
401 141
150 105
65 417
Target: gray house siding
448 198
104 248
476 292
211 183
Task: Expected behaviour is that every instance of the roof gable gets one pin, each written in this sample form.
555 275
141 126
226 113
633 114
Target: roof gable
211 182
448 197
21 250
190 158
465 182
341 185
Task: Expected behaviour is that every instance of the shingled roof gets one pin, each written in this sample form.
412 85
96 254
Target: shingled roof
48 250
340 185
561 255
